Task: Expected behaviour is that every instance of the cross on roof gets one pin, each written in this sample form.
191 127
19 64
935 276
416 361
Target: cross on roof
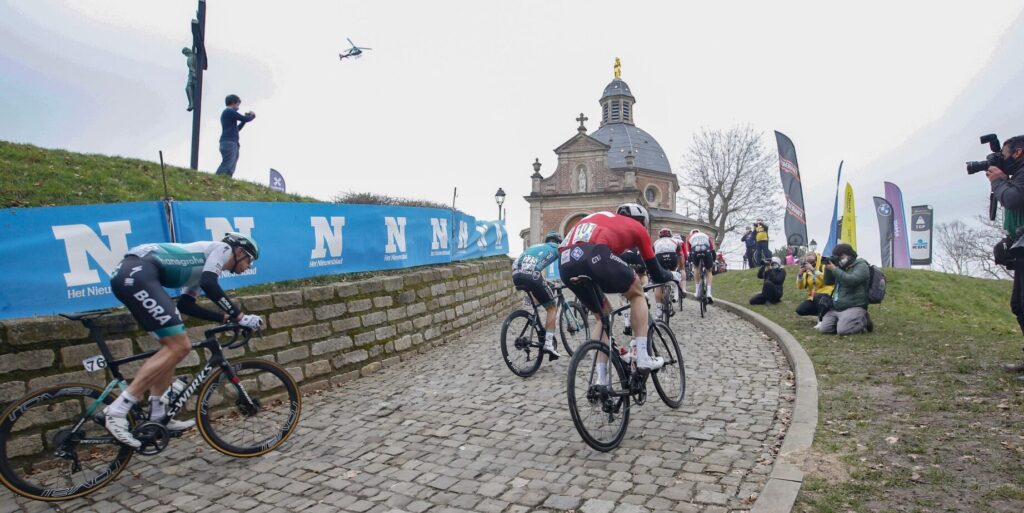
581 119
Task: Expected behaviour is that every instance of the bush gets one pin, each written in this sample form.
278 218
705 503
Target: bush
369 198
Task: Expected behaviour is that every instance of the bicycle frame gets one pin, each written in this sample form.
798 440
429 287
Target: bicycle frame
216 359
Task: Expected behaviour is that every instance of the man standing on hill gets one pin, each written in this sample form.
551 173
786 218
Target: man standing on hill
231 122
1008 189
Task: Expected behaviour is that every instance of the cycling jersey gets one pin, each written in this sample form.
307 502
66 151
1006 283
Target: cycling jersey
536 257
181 265
667 245
698 242
619 233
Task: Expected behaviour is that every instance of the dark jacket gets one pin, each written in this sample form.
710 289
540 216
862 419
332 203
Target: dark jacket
851 284
748 239
774 279
1010 194
231 122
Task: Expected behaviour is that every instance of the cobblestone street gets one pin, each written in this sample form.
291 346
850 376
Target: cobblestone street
452 430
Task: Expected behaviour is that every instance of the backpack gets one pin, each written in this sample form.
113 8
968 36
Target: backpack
876 285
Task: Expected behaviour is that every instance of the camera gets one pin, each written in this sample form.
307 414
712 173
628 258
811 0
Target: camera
834 259
993 159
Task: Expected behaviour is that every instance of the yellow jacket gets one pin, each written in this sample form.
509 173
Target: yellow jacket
760 232
814 282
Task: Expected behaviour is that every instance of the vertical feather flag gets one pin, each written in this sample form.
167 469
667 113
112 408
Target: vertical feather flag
849 234
833 228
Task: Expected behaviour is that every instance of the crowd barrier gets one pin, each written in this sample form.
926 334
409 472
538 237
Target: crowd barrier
58 259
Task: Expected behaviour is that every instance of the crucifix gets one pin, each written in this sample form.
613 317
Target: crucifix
581 119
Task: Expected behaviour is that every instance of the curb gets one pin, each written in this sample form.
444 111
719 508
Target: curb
784 483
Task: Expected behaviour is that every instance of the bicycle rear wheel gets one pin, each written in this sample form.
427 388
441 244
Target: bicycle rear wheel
599 413
670 380
251 413
702 297
572 326
521 352
50 452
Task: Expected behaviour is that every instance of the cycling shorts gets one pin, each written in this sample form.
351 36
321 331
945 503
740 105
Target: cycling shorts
668 261
635 262
136 283
610 273
532 282
706 257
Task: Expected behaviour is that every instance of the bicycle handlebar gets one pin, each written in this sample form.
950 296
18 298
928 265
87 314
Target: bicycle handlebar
237 330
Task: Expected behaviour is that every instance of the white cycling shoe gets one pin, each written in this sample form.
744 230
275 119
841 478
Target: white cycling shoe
180 425
647 363
118 427
549 348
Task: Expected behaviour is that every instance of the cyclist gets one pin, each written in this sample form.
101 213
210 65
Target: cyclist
670 255
527 275
701 249
590 248
139 281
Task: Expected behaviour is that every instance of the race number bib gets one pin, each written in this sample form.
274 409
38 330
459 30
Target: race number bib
583 232
94 363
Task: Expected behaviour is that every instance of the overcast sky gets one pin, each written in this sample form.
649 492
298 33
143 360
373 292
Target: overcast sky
468 93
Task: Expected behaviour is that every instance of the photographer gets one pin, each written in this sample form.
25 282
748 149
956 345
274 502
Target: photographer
774 278
1008 190
851 277
761 251
812 278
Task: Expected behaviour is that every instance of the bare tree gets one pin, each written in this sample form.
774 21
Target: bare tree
988 235
956 243
728 179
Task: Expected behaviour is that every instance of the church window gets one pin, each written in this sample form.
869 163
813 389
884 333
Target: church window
616 111
605 113
625 111
651 193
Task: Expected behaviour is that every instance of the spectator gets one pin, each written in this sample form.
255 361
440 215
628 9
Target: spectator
761 253
851 277
1007 181
790 258
812 278
751 244
231 122
774 279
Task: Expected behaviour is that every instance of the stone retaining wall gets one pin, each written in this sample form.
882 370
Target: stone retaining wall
323 335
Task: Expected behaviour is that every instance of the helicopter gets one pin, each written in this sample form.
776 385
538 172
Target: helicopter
355 51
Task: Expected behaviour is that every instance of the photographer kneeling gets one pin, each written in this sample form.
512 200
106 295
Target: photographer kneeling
851 277
812 278
1008 189
774 278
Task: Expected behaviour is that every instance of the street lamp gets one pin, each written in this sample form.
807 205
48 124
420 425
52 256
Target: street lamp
499 198
813 246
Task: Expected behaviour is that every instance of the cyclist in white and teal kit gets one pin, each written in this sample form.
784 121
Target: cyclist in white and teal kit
528 276
139 282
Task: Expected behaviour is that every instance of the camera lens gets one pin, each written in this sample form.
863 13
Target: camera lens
977 166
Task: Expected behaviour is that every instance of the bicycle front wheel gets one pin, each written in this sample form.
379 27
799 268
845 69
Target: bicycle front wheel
519 348
251 413
600 411
49 451
670 380
572 326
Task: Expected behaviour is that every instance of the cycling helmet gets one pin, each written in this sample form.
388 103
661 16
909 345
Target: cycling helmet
235 239
665 232
695 230
553 236
635 211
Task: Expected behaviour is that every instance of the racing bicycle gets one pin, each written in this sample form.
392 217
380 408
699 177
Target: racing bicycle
522 332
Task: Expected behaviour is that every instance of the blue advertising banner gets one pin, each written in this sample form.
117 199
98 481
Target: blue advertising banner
59 259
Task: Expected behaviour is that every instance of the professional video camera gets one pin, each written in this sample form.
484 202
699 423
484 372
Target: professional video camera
993 159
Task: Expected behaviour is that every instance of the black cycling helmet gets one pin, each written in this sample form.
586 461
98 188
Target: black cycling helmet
665 232
237 240
635 211
553 236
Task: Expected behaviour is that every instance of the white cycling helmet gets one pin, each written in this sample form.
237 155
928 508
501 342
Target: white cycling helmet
635 211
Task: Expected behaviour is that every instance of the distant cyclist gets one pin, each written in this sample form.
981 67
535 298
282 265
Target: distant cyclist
670 256
701 249
590 249
139 281
528 275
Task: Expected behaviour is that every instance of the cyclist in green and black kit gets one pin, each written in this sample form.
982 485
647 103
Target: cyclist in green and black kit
139 281
528 275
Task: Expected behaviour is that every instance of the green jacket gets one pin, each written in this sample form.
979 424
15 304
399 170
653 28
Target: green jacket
851 285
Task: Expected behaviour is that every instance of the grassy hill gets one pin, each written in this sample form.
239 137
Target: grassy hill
916 416
39 177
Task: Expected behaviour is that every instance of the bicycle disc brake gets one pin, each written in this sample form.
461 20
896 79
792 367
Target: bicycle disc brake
154 437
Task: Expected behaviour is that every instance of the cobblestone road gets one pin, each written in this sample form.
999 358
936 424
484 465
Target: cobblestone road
453 430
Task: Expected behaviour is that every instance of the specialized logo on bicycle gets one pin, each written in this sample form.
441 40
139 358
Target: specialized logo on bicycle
577 253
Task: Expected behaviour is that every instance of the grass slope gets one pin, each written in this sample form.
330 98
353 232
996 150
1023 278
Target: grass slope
39 177
916 416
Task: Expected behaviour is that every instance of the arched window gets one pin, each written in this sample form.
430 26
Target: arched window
652 194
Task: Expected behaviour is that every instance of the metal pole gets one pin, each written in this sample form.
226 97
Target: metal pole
168 211
197 94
